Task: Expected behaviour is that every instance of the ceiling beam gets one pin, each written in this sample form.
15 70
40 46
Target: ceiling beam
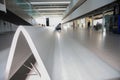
50 3
49 9
53 6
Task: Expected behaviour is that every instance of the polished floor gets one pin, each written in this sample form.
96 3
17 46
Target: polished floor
82 55
87 55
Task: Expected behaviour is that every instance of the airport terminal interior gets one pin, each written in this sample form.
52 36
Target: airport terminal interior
59 39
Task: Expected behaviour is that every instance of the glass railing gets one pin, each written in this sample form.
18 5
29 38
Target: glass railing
25 5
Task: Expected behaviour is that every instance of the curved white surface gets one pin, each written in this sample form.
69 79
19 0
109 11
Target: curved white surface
18 56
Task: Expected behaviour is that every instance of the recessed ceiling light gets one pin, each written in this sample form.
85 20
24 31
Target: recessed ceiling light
51 9
46 3
48 9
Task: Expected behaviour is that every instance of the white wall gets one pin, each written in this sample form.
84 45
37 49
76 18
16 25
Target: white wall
88 6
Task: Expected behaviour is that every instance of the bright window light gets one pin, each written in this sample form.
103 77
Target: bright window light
53 20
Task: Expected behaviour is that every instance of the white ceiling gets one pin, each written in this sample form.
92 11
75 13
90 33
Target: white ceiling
47 7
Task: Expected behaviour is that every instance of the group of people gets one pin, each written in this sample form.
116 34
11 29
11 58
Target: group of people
42 25
98 26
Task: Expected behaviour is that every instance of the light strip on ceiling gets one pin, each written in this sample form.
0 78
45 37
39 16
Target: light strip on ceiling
46 3
48 9
51 13
50 6
48 13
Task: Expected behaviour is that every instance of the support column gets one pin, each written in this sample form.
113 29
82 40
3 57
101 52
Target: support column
92 21
103 22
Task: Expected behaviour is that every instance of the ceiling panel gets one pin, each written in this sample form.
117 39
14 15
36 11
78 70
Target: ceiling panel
47 0
43 6
39 7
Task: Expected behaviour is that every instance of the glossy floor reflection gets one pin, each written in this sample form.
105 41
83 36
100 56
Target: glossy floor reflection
84 55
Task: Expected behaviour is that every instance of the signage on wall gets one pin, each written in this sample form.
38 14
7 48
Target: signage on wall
2 6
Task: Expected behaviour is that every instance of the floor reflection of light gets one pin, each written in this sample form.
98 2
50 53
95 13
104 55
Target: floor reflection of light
58 35
52 28
104 34
101 38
